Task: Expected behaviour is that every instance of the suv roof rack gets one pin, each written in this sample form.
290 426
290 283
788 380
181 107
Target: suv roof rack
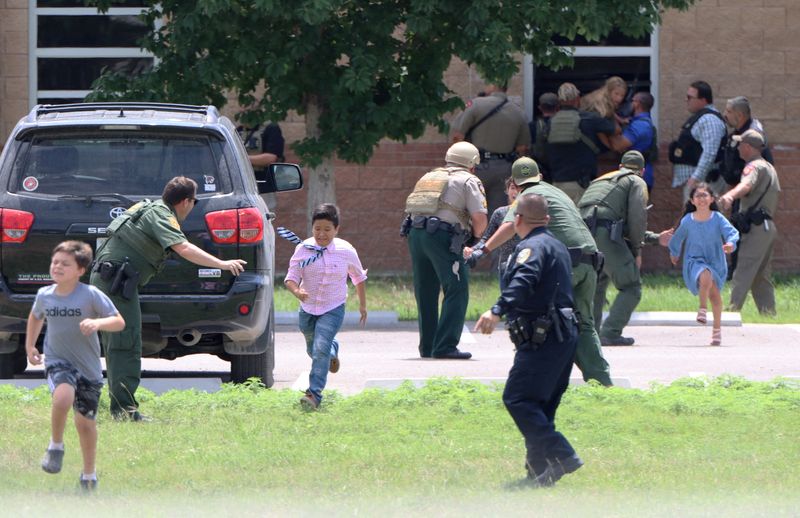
43 109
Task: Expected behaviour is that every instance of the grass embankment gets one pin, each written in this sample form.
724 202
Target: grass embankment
660 293
723 447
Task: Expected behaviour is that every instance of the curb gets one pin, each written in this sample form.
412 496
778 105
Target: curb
639 318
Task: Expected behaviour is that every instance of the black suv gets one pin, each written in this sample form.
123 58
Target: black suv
68 170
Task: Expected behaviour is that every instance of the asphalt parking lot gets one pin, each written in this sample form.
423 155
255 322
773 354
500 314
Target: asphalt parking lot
384 355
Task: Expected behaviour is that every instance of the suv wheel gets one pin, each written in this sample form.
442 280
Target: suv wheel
261 366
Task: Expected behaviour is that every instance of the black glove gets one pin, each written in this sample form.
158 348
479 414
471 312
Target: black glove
473 259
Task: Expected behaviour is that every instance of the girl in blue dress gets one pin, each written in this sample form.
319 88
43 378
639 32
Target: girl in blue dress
706 236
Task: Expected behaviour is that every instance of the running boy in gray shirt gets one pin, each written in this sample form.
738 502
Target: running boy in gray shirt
75 312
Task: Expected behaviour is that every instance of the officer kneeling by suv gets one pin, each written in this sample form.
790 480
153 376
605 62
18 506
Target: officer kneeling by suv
138 244
538 306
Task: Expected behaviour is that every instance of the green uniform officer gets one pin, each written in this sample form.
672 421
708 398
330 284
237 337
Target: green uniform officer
615 209
144 235
446 207
568 227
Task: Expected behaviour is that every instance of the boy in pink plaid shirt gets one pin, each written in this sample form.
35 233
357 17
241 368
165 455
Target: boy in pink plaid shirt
318 272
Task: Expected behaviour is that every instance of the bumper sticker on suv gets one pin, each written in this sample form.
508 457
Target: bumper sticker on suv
34 278
206 273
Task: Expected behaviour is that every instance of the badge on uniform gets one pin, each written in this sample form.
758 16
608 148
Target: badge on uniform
523 255
173 221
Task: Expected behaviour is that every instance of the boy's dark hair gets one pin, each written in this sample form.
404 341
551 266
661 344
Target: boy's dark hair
77 249
690 207
327 211
703 91
179 189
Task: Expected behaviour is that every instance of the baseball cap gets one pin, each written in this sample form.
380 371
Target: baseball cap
548 99
632 160
525 170
752 137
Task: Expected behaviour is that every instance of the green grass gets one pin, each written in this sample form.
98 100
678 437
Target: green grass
660 293
721 447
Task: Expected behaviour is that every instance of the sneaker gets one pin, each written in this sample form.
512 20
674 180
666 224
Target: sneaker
88 485
334 366
309 402
619 340
52 461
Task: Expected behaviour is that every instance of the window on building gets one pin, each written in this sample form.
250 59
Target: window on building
633 59
71 45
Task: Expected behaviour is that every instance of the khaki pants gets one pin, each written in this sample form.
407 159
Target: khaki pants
754 269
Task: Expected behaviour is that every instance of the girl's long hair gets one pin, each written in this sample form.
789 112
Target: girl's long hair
690 207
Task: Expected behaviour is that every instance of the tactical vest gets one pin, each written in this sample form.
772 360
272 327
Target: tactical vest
686 150
426 198
124 228
565 128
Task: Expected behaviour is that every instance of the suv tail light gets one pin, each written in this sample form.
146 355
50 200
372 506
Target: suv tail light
15 225
241 226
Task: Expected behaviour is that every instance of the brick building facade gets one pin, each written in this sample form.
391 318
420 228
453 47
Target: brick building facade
741 47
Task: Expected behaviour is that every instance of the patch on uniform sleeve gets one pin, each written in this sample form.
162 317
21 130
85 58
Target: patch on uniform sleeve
173 222
748 169
523 255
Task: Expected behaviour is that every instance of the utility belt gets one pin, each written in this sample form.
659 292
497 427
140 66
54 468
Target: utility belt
616 228
593 259
486 155
123 276
432 224
529 332
743 221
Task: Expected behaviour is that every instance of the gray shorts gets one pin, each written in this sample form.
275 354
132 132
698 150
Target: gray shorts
87 393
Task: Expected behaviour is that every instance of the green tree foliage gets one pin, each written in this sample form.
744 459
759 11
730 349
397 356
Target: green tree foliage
360 70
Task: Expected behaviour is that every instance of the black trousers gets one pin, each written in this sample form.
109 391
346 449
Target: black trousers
536 382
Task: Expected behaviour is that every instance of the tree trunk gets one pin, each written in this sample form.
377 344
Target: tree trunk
321 184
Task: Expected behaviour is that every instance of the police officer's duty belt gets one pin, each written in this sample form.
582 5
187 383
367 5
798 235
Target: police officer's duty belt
593 259
486 155
432 224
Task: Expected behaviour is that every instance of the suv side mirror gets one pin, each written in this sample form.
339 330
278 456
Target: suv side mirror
279 178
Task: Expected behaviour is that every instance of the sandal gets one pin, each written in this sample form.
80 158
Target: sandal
716 337
701 316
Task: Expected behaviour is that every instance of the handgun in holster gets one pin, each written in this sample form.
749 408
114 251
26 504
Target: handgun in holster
125 281
458 240
616 232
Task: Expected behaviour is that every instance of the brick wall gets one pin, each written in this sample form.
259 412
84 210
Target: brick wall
13 64
372 198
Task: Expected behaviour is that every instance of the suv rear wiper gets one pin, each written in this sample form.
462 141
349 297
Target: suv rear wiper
89 198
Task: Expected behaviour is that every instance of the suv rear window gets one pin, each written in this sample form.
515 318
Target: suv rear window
122 162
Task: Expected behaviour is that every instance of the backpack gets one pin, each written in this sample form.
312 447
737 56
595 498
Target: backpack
651 153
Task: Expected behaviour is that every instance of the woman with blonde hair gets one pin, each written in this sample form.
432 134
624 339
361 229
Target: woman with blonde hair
607 99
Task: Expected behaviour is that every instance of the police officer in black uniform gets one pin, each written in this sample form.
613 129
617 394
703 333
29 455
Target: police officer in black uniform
538 306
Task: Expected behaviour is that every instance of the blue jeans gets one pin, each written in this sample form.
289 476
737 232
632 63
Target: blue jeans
320 334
